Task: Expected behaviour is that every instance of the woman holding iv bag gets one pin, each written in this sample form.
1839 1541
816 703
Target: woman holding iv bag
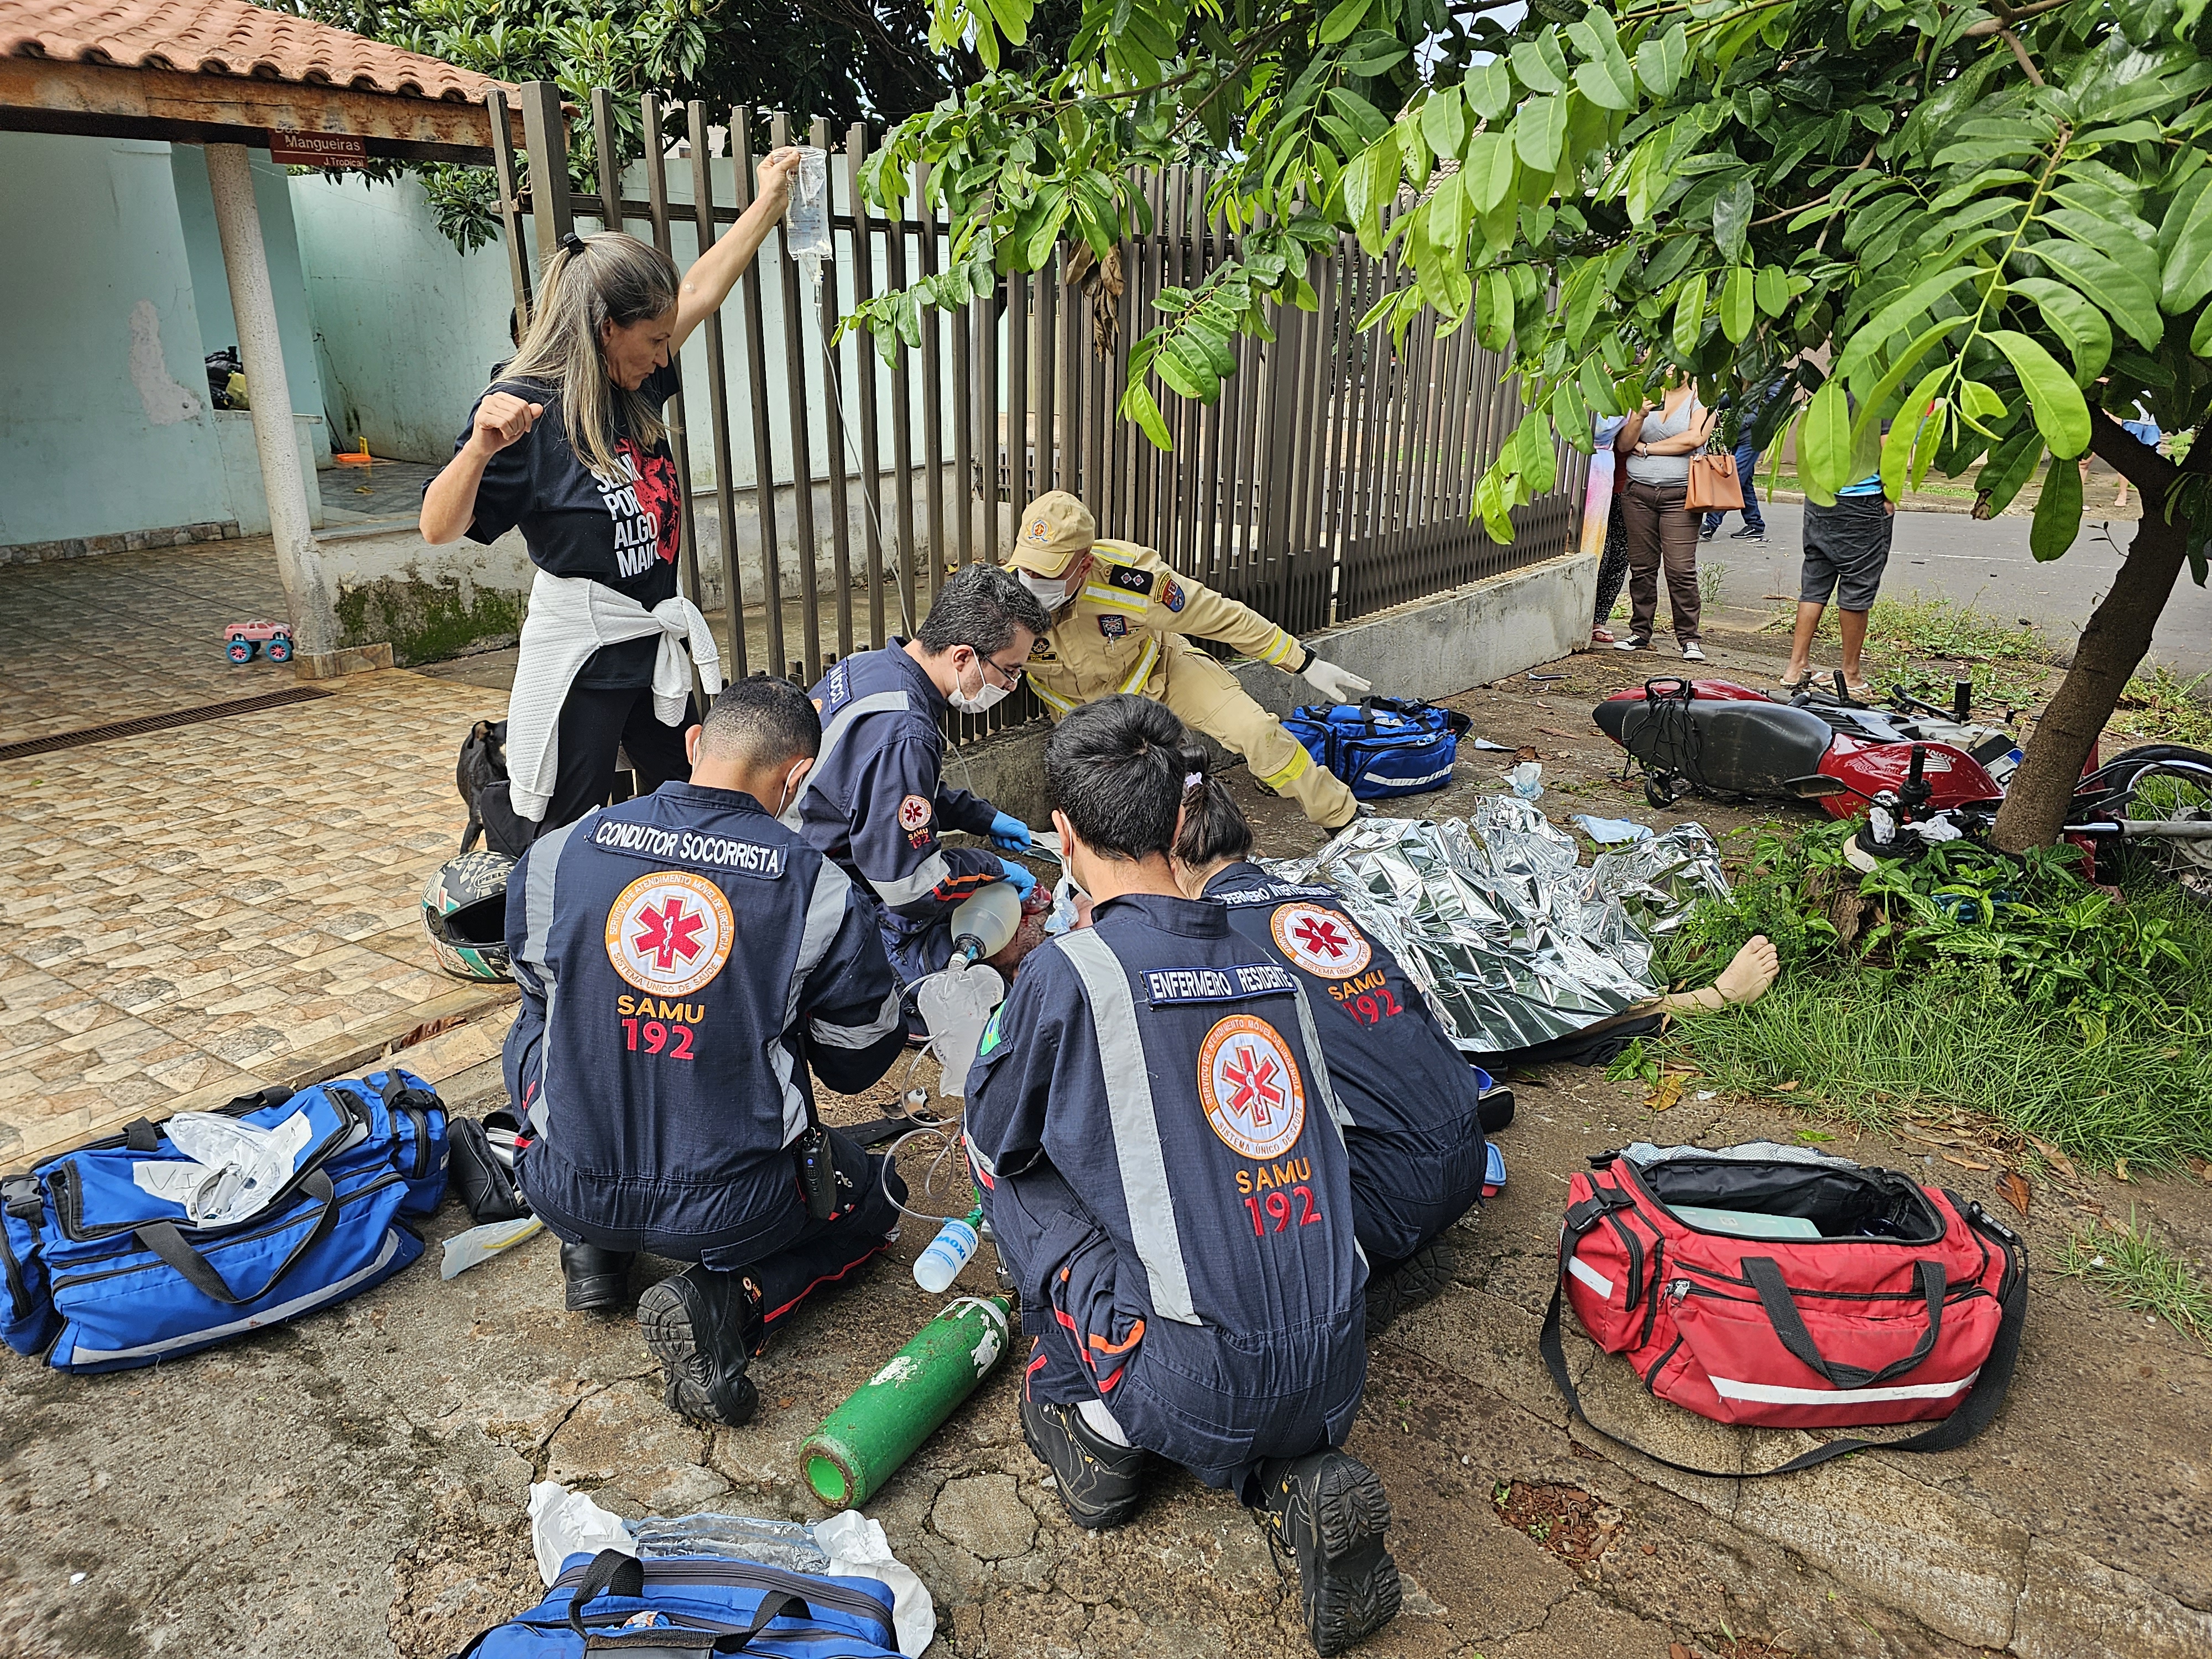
567 443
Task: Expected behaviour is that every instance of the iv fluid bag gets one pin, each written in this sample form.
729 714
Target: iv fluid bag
806 220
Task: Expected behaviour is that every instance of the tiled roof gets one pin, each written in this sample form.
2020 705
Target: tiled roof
225 37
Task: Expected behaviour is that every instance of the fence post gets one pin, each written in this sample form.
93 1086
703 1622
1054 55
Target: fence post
510 205
545 133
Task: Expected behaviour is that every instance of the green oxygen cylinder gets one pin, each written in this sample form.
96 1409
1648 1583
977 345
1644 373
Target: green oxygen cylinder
861 1444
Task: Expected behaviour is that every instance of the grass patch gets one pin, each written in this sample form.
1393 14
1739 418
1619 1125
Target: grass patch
2004 660
2163 707
2133 1268
2012 989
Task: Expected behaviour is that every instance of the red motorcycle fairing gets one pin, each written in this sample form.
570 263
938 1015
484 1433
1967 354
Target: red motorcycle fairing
1956 777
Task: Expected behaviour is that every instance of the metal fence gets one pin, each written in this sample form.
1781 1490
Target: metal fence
1333 478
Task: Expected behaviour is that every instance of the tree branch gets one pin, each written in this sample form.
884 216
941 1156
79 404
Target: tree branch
2007 16
2133 459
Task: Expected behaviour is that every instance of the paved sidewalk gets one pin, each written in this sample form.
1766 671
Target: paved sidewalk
187 911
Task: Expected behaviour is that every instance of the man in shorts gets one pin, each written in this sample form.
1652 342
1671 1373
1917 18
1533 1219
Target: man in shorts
1846 546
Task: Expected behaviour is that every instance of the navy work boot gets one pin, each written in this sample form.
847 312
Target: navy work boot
597 1280
1401 1284
1329 1511
704 1328
1099 1482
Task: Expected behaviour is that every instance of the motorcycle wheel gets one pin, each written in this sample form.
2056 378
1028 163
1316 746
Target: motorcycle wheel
2164 783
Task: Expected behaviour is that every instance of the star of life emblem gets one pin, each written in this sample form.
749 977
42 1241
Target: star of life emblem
1250 1088
1321 941
669 932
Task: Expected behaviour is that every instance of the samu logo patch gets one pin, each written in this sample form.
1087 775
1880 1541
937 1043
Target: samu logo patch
1114 628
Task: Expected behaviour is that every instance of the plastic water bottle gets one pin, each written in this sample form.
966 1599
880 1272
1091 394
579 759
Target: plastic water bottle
953 1249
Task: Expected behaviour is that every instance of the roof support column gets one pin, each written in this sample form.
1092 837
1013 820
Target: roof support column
252 302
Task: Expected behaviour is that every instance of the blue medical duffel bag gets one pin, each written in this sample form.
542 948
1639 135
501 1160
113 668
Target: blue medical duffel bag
681 1606
1381 746
105 1273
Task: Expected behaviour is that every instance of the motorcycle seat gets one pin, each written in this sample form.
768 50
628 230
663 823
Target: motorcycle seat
1749 747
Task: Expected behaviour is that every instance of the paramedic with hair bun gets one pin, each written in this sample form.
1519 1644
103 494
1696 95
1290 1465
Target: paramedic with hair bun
1119 621
569 444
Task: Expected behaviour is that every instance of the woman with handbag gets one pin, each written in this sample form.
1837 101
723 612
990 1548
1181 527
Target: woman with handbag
1660 443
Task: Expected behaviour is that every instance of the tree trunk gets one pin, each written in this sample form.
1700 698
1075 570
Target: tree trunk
2114 643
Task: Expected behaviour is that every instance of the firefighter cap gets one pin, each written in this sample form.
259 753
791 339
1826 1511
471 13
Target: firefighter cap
1055 527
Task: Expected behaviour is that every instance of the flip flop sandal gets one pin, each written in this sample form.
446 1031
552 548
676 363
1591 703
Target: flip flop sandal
1797 685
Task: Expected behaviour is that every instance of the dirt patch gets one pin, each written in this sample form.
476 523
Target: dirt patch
1571 1523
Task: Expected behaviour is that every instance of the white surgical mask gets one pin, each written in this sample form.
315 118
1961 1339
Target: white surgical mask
987 696
1051 591
786 809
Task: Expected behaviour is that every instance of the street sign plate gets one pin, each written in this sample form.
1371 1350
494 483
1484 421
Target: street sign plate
317 149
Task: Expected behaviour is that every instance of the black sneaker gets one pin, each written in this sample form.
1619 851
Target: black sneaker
1329 1510
1707 534
1408 1284
1099 1482
703 1327
597 1280
1749 533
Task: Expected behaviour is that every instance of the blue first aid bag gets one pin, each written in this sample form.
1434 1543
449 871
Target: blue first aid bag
1381 747
682 1607
106 1270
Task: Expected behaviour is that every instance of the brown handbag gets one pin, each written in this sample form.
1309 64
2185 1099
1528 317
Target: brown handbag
1714 485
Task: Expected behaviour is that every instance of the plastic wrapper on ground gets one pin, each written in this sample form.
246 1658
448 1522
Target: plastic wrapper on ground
1512 939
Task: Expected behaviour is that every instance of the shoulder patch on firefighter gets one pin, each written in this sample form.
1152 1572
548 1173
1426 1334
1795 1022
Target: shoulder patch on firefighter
669 932
1323 942
1253 1099
1042 652
1171 595
1114 627
1129 578
914 813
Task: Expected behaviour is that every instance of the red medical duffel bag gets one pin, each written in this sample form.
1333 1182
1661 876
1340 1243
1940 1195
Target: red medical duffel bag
1763 1287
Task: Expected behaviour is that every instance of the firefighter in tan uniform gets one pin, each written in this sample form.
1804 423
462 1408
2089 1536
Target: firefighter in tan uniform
1119 616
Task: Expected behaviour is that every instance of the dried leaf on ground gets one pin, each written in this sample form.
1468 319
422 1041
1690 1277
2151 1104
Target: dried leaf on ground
1527 751
2012 1187
424 1032
1786 1087
2057 1159
1963 1162
1668 1091
2120 1168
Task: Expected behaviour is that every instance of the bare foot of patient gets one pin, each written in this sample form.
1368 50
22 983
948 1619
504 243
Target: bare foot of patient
1746 979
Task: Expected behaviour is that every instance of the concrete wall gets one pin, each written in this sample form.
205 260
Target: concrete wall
105 428
407 325
211 285
1433 649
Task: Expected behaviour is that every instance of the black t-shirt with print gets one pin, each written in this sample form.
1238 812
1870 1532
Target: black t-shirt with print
622 533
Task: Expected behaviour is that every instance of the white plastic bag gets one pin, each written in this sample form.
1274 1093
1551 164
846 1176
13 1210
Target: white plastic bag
236 1168
563 1523
956 1003
858 1549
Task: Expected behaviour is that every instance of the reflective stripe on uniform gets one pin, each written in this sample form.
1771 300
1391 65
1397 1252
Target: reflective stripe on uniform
1137 1147
540 870
1051 698
889 1017
825 914
1293 768
876 702
1135 604
1143 672
1275 655
923 882
1317 1063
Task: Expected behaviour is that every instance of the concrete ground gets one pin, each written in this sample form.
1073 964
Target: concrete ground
355 1484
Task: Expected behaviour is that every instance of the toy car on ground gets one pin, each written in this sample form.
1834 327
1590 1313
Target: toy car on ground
242 640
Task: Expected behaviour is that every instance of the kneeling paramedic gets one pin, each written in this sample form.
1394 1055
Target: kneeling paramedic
684 960
1411 1101
876 802
1119 619
1158 1149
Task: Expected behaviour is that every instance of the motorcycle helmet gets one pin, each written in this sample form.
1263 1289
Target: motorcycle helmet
465 912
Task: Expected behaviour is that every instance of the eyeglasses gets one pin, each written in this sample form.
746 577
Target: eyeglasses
1009 677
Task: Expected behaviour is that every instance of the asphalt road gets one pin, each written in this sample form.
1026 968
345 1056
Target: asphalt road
1986 565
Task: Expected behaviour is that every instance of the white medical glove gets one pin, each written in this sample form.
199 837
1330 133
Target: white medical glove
1335 684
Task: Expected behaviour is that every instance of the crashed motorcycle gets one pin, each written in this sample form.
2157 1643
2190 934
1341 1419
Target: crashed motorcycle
1909 763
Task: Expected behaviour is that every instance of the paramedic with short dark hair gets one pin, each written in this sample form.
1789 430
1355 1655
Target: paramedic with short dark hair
1158 1151
685 961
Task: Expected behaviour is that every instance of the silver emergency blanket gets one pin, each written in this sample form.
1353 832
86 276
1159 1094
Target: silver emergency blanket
1515 942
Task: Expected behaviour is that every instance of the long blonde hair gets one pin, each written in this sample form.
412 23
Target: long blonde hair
591 281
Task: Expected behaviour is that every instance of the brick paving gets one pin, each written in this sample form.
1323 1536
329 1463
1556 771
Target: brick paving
185 909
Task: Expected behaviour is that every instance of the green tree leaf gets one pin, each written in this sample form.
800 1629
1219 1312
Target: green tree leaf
1689 315
1491 169
1493 311
2058 511
1732 217
1489 88
1738 312
1661 58
1773 288
1597 388
1540 456
1443 122
1535 71
1370 183
2127 299
1138 405
1539 130
2088 337
1342 18
2188 274
2061 415
1823 444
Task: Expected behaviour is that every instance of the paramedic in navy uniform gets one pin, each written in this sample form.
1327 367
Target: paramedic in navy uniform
1412 1102
876 802
684 961
1158 1151
569 443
